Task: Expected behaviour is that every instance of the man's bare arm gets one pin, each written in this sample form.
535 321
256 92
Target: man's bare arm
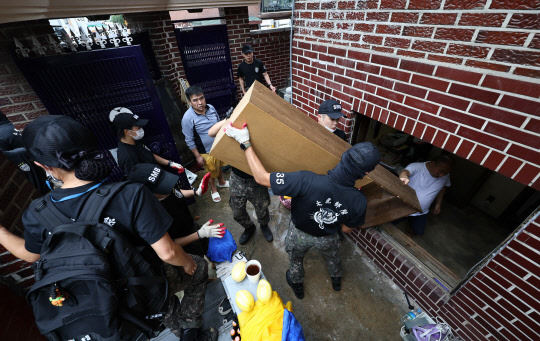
15 245
267 79
404 176
438 201
173 254
241 81
212 132
346 229
262 177
183 241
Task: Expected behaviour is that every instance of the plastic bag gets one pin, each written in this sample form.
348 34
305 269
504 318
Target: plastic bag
266 322
221 249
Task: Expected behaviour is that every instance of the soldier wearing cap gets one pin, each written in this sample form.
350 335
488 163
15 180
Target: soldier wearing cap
251 70
131 150
329 115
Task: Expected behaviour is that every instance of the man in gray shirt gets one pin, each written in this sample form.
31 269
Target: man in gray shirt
195 125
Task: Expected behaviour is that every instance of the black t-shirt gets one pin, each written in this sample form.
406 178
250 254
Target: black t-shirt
341 134
129 155
134 212
251 72
240 173
319 206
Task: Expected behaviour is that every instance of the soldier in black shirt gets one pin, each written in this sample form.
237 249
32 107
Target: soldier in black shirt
321 204
329 115
251 70
68 151
131 152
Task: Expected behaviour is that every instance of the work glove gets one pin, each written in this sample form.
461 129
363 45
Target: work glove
209 231
240 135
203 187
177 166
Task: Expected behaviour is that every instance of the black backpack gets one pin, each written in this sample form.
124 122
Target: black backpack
91 283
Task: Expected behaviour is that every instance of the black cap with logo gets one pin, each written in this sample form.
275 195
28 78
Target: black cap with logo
332 108
247 49
156 179
123 118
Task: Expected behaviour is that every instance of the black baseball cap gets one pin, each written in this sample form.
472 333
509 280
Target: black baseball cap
53 140
247 49
123 118
154 177
332 108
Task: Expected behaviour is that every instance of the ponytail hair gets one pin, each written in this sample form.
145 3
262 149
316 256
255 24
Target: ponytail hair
89 165
89 169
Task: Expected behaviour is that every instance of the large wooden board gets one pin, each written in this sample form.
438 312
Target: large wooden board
287 140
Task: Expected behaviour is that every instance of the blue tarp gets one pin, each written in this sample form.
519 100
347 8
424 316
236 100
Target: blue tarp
292 330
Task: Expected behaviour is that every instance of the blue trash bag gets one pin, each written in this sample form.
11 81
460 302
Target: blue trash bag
221 249
292 330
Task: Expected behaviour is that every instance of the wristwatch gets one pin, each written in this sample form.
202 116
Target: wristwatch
245 145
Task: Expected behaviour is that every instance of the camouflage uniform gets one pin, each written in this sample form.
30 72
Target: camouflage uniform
298 244
241 191
188 313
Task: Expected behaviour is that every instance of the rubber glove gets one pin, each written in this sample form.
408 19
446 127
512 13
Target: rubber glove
177 166
240 135
203 187
209 231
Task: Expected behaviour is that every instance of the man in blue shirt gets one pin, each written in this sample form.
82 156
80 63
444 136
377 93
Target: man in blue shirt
195 125
321 204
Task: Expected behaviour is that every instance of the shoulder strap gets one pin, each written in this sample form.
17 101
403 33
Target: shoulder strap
50 216
98 201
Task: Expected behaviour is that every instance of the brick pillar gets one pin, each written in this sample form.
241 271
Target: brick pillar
237 20
18 101
164 43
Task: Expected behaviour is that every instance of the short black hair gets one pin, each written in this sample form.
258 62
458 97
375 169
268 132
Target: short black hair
193 90
444 160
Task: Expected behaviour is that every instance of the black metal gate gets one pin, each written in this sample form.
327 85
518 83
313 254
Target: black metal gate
88 85
207 63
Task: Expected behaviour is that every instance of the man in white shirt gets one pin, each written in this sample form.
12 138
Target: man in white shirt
429 180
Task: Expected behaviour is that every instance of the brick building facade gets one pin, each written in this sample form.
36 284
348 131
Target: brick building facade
463 76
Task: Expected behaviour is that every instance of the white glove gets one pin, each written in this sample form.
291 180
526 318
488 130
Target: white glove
177 166
240 135
209 231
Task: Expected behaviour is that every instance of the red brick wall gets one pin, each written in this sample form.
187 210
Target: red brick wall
500 302
461 75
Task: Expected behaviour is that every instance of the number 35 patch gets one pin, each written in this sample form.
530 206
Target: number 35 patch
279 178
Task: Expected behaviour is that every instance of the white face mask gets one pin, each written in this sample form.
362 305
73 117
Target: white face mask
56 182
139 134
330 129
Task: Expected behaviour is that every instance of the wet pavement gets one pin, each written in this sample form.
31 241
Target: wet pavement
369 305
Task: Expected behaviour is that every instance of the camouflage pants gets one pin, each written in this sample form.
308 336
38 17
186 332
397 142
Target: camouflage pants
188 313
244 190
298 244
